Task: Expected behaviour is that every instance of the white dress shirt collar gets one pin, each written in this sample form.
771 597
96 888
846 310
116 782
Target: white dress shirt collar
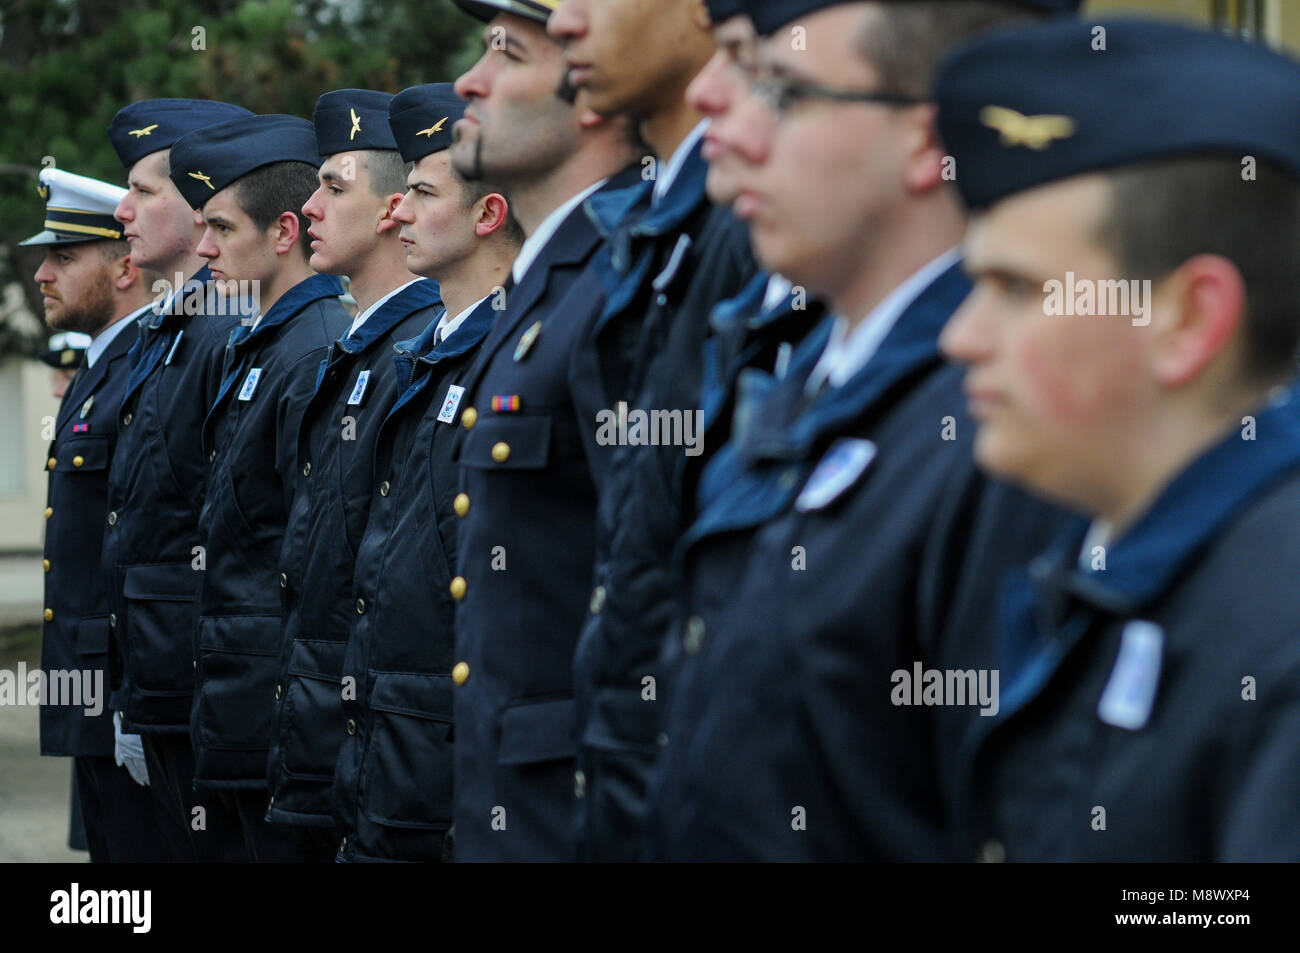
105 337
361 317
534 243
847 353
447 326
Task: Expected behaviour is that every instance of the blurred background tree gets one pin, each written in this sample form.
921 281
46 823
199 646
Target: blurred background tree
66 66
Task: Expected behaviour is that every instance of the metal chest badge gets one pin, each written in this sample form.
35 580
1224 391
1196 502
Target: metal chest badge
527 341
85 408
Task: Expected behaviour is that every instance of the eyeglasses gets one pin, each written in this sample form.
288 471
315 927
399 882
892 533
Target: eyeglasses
780 94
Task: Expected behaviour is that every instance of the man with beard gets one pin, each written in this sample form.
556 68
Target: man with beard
529 459
90 286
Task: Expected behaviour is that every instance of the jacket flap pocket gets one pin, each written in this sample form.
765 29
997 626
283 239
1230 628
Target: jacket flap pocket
92 636
171 582
507 443
421 696
83 453
537 731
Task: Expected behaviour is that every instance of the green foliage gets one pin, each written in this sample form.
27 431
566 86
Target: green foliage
68 65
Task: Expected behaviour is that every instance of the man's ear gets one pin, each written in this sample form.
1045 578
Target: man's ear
493 213
124 272
1200 310
386 222
285 231
700 14
925 161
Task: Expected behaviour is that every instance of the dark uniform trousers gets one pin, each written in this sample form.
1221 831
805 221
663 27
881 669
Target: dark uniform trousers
151 546
250 438
76 717
664 266
1151 686
356 384
530 466
393 780
805 582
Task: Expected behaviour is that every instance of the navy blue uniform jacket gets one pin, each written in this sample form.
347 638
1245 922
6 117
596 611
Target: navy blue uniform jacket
75 637
155 491
251 438
525 555
356 385
806 586
393 782
1151 694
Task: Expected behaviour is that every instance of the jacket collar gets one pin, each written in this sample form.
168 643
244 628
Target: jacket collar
414 297
624 217
174 305
416 357
91 377
1143 563
314 288
791 427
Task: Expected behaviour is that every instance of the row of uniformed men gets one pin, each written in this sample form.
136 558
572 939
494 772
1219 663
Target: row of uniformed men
356 593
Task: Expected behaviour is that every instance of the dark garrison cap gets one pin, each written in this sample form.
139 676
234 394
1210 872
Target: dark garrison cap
769 15
348 119
1026 107
77 209
207 160
152 125
421 118
485 10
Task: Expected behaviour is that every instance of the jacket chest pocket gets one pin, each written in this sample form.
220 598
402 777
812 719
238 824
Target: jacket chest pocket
81 454
508 443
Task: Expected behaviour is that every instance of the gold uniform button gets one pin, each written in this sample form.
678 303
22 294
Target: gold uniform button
460 673
49 511
46 564
352 727
49 615
212 456
461 504
361 607
112 518
306 468
126 419
458 586
501 452
579 785
112 620
468 417
78 460
384 488
277 693
597 600
284 581
51 463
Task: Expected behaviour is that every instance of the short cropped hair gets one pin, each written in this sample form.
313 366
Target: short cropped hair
267 193
909 41
1165 211
387 171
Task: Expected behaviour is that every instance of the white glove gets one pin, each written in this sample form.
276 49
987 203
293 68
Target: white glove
128 752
